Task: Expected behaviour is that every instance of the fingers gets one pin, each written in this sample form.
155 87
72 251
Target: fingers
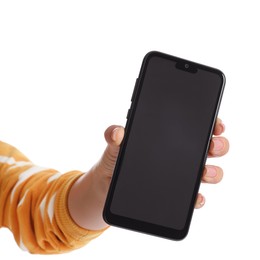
219 127
219 146
200 201
212 174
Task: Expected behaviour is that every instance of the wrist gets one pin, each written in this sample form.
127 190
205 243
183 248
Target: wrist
87 198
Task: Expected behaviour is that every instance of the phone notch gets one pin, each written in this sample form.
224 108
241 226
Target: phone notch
186 66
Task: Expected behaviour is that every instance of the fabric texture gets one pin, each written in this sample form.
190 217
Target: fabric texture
33 205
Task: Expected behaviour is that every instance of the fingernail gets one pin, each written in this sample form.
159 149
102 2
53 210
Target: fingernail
211 172
218 144
202 201
114 133
223 127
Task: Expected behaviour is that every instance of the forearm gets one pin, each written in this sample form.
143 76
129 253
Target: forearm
86 199
33 205
49 212
87 196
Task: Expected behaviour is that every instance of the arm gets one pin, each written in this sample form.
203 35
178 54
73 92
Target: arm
49 212
88 194
33 205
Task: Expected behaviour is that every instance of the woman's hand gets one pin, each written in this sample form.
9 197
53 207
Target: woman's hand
219 146
88 194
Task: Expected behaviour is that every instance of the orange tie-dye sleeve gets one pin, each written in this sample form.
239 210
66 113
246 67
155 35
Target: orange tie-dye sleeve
33 205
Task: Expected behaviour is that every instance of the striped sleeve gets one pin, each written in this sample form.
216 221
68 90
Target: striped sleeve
33 205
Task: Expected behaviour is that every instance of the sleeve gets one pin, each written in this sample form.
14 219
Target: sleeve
33 205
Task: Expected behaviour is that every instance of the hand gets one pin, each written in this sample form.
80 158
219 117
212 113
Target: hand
219 146
88 194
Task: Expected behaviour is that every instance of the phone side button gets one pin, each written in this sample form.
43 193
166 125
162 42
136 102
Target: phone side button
135 88
128 113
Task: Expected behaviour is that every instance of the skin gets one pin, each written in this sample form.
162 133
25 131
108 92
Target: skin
87 196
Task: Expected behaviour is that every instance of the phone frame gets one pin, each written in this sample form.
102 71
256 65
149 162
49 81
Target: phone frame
140 226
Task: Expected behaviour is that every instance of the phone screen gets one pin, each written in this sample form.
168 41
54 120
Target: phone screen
162 158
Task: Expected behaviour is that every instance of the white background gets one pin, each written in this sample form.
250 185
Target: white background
67 71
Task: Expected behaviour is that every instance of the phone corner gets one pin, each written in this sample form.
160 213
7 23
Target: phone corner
105 215
183 236
151 54
222 76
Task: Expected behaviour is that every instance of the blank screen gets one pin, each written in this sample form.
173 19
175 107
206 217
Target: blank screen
166 144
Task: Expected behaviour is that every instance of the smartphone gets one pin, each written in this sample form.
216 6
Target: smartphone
169 126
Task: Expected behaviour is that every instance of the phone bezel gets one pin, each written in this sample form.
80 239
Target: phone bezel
137 225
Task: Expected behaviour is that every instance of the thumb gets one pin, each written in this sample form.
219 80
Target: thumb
114 136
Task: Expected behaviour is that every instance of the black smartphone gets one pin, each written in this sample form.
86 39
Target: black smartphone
167 135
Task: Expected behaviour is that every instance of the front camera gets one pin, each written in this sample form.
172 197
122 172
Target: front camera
187 67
